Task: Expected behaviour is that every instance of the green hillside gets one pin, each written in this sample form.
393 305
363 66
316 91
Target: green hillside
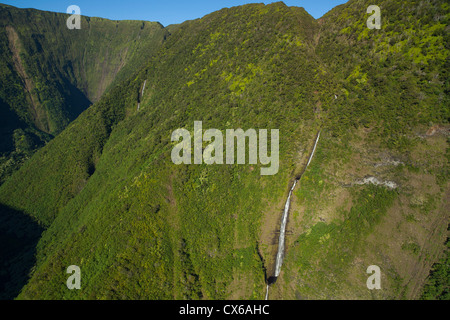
50 74
140 227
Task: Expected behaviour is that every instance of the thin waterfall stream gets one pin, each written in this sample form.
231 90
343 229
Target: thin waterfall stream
284 219
141 96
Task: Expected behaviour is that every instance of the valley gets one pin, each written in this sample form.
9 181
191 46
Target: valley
88 176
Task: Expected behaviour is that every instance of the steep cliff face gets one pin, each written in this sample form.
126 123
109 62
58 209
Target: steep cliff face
379 194
50 74
114 203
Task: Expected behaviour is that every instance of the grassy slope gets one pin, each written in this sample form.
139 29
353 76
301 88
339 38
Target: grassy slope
141 227
205 243
392 85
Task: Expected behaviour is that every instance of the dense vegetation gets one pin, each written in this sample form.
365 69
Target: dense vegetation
397 76
438 283
388 83
50 74
112 202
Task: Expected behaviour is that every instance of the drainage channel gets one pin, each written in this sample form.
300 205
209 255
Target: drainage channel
284 219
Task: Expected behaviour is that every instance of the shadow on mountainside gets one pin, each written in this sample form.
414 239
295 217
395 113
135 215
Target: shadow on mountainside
19 235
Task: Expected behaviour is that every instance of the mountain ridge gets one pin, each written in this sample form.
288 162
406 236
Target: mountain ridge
51 74
141 227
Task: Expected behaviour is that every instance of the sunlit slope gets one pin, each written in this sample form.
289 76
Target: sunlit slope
392 90
141 227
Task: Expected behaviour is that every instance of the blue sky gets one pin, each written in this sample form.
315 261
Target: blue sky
165 11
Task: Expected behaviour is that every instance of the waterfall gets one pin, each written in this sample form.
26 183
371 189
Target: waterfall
314 150
142 95
284 218
280 252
